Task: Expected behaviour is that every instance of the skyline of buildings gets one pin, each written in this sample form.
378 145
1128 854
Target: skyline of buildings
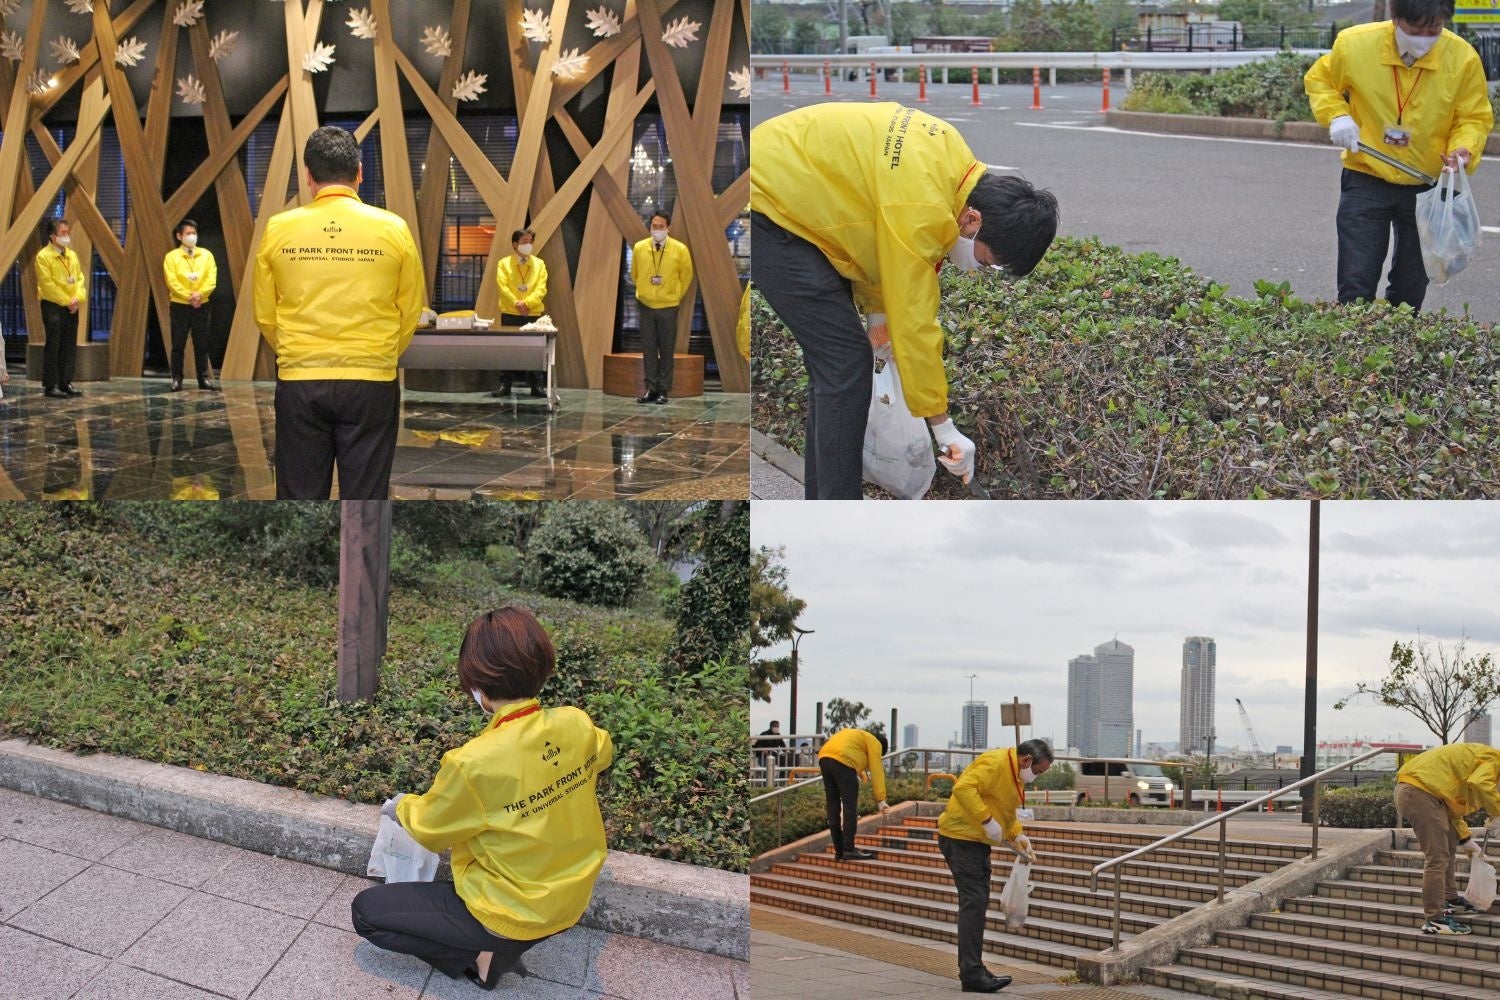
909 735
1101 700
974 732
1478 731
1196 707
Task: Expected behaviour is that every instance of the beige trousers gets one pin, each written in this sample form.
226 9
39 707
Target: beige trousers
1429 820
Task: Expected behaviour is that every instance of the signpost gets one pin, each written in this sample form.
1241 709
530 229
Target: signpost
1017 715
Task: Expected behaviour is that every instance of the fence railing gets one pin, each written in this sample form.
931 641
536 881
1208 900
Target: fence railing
1221 38
1199 60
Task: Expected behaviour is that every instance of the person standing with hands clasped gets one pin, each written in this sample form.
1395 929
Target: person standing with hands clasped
338 291
523 296
60 284
661 270
1435 790
192 277
845 755
1417 93
985 808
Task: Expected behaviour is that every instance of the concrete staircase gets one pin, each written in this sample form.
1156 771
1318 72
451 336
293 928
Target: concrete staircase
907 888
1356 936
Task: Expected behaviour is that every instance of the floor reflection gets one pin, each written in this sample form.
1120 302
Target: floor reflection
131 439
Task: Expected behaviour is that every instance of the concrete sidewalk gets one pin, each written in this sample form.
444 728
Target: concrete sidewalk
97 907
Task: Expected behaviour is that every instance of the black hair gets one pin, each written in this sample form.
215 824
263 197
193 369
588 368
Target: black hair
52 225
1018 220
177 233
663 216
1422 13
1037 750
515 237
332 156
885 744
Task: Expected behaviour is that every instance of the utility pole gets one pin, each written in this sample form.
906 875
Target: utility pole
843 27
797 634
364 587
1310 688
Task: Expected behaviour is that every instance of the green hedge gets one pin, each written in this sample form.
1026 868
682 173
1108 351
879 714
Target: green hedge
1271 89
1107 374
1367 807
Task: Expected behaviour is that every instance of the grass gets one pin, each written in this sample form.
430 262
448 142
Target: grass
115 642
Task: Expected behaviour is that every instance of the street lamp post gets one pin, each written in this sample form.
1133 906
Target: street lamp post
797 634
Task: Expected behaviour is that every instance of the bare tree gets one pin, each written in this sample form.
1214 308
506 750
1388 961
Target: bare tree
1445 689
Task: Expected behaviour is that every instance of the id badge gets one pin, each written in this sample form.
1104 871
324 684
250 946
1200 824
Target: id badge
1397 135
1025 814
71 280
192 276
656 279
521 288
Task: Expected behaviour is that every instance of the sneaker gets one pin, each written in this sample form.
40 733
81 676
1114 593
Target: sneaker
1459 905
1445 925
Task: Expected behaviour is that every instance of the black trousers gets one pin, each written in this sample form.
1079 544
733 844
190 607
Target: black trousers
62 345
349 421
533 379
817 306
970 864
1369 208
430 921
187 320
658 347
841 790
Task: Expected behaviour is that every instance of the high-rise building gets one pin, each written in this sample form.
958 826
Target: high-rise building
1196 707
976 726
1101 692
1478 731
908 736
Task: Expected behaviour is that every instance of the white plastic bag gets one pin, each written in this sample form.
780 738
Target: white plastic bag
898 446
1448 224
1481 890
398 858
1014 898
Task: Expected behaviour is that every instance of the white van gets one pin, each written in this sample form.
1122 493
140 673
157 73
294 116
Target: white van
1141 782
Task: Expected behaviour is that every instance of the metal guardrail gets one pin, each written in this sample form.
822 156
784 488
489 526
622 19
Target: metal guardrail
1023 60
1222 819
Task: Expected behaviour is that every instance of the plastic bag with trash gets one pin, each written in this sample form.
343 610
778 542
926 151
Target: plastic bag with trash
1481 890
1014 898
1448 225
396 857
898 446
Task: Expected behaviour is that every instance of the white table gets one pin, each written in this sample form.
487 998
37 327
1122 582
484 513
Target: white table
500 349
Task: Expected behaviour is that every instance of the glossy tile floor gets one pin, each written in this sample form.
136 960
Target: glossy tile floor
132 439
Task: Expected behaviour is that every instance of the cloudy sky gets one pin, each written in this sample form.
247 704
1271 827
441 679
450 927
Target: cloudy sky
908 599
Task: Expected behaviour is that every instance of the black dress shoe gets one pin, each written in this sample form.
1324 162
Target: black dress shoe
859 855
68 390
54 393
177 385
504 390
208 386
649 397
660 398
990 984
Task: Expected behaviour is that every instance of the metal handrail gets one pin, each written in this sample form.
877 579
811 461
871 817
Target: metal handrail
1222 820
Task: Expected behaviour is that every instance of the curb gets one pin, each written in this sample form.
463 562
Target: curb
1236 128
662 901
1198 926
778 455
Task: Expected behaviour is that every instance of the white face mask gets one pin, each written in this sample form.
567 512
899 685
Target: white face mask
479 699
1415 46
1027 775
524 249
962 255
65 241
659 236
190 240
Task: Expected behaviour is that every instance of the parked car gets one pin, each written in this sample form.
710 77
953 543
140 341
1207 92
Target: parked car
1139 782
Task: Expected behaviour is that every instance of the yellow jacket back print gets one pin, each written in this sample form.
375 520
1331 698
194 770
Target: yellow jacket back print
517 806
338 289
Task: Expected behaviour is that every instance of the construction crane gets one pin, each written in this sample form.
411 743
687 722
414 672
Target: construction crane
1249 729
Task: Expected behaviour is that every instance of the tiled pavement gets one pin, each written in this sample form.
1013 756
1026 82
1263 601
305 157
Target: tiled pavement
131 439
95 907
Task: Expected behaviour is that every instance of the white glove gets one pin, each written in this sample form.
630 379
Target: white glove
1344 131
1493 826
993 833
1469 848
1022 845
389 807
948 438
882 807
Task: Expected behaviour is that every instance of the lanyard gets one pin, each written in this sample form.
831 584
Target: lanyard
528 710
656 257
1401 102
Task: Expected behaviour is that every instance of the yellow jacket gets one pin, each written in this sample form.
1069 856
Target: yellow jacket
672 262
59 276
1448 107
860 750
186 275
878 188
516 805
512 275
742 331
338 289
1463 775
989 788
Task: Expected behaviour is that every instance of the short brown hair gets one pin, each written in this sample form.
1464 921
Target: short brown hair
506 654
